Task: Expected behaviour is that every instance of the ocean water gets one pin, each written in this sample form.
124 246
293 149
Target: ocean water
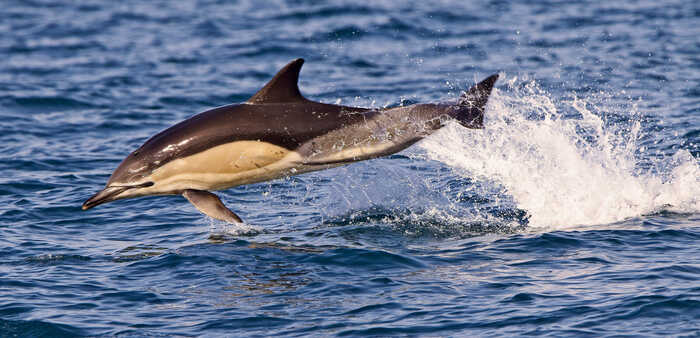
574 212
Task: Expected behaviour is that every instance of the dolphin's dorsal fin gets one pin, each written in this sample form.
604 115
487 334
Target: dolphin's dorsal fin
283 87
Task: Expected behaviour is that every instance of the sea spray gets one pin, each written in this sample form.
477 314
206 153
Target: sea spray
562 163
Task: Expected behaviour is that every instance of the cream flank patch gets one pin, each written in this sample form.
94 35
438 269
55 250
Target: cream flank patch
223 166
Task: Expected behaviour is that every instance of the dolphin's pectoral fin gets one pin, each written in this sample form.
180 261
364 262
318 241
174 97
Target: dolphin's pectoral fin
210 205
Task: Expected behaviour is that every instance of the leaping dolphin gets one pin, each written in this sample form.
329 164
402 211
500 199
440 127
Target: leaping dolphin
276 133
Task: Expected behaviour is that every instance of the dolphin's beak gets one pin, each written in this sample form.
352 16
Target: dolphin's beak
104 196
109 194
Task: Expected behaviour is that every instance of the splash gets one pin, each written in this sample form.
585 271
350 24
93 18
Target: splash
217 228
568 162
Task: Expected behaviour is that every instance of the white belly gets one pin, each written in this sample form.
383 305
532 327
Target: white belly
245 162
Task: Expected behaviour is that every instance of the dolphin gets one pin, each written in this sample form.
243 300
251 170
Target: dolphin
276 133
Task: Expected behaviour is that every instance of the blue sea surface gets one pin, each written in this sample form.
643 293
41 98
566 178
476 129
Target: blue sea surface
574 212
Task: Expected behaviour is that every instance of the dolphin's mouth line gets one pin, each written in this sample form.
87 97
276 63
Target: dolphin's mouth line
109 193
142 185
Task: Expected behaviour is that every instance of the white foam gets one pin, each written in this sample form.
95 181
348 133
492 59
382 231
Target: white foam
233 229
567 170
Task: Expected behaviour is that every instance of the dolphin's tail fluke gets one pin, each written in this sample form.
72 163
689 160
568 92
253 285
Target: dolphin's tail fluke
473 102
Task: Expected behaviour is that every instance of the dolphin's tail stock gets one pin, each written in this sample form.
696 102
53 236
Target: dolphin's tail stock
471 105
